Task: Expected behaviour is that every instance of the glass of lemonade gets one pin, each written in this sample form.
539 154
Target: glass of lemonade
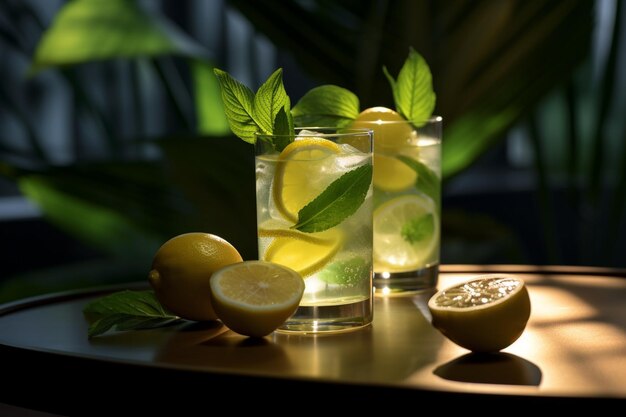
407 204
314 215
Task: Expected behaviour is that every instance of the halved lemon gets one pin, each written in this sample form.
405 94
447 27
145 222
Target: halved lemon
306 253
254 298
297 180
406 232
485 314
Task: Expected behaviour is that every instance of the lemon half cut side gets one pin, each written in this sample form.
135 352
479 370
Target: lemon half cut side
254 298
485 314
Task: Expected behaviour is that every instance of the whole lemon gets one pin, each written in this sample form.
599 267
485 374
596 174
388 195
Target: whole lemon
393 136
181 273
391 130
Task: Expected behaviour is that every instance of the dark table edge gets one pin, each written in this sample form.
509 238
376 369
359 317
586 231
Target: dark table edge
81 386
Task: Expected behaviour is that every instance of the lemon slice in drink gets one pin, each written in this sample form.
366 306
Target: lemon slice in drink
296 179
392 175
486 314
306 253
392 136
406 231
253 298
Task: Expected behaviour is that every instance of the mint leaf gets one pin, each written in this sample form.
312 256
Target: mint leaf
238 106
268 101
419 228
349 272
126 310
267 112
283 126
413 90
427 181
338 201
327 105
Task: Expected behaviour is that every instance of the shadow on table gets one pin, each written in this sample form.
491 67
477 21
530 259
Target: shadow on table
491 368
400 341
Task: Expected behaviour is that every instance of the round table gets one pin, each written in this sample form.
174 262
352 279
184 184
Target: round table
573 350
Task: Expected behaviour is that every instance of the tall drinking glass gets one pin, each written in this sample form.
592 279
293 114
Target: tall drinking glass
407 205
314 215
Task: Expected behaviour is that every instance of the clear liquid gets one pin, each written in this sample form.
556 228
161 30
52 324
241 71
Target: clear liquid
345 276
426 151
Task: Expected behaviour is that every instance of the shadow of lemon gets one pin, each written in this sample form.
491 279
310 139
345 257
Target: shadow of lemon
211 345
491 368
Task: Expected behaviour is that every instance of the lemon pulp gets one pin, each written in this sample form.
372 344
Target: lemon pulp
486 314
254 298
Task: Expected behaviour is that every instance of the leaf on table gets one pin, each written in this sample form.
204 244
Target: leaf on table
127 310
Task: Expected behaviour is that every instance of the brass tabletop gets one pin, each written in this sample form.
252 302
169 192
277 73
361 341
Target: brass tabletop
573 347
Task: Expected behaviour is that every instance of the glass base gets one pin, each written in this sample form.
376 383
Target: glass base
330 319
401 283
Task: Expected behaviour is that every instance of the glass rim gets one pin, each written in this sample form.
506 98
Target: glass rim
431 120
337 131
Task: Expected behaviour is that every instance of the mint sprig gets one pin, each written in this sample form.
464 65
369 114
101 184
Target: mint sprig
418 228
327 105
413 90
341 199
127 310
268 111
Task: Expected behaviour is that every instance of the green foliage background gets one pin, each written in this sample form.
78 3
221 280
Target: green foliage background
494 63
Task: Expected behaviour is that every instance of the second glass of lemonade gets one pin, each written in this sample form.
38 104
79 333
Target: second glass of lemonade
314 215
407 203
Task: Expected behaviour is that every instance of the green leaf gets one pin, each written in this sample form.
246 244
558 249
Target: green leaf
338 201
283 126
427 181
419 228
92 30
127 310
413 90
79 205
238 106
210 112
327 105
269 100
